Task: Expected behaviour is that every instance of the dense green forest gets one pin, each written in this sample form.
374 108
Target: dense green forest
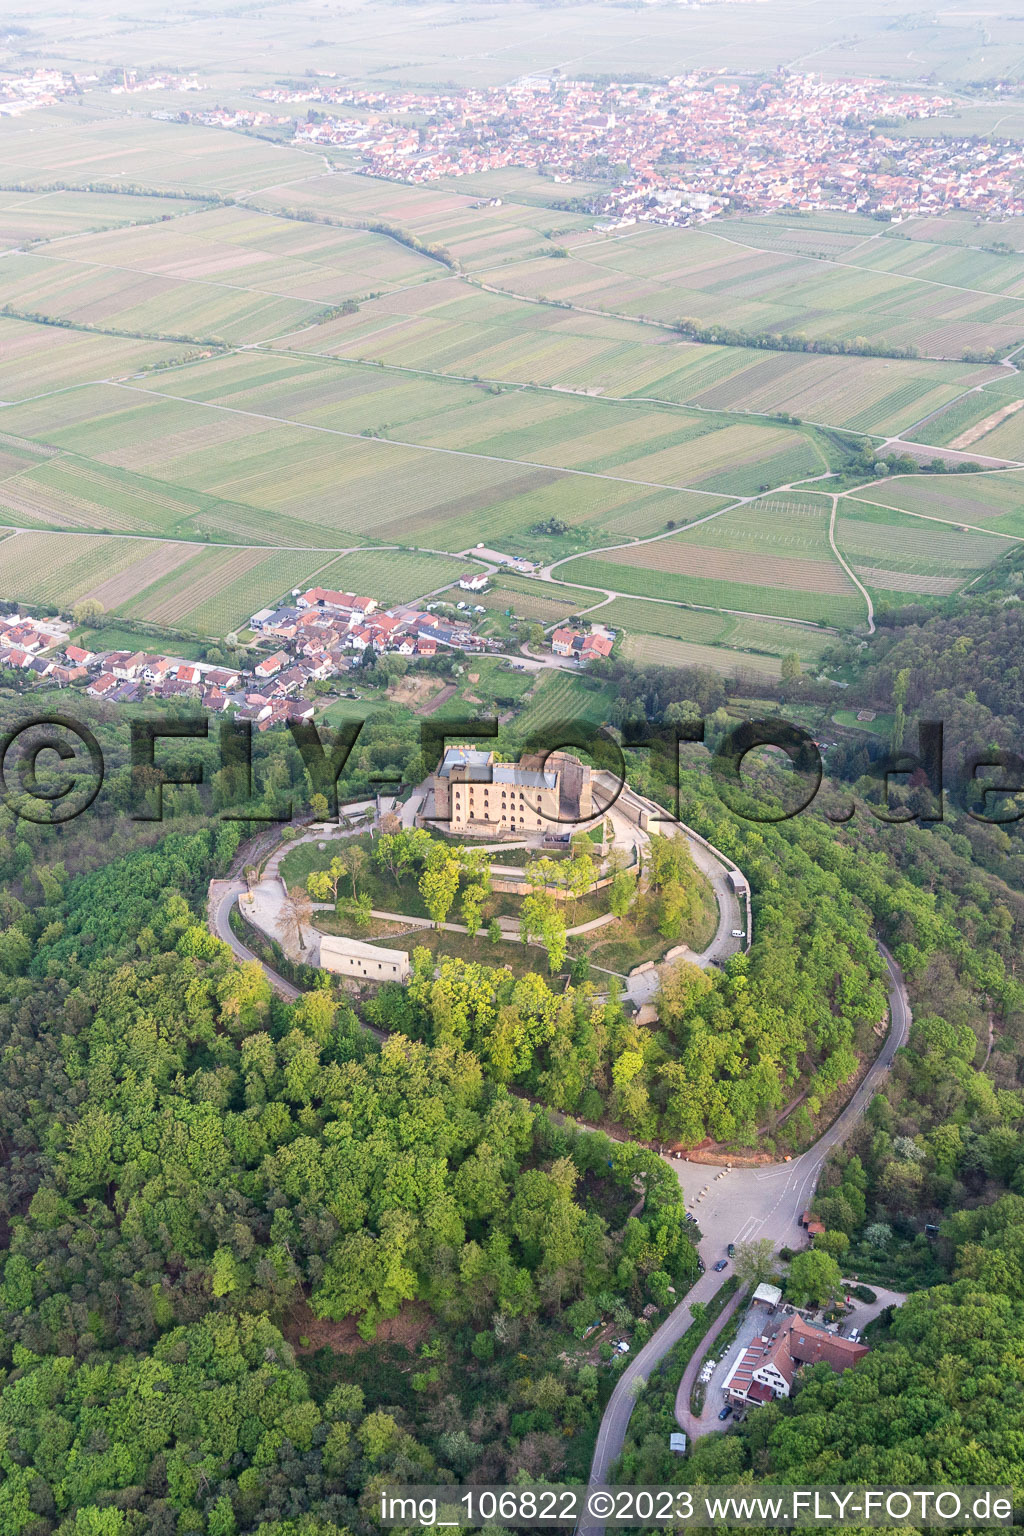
196 1172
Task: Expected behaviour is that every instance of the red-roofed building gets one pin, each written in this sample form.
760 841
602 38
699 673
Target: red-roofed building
348 602
768 1367
271 664
596 645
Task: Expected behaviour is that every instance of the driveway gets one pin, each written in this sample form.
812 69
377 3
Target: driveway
707 1422
222 897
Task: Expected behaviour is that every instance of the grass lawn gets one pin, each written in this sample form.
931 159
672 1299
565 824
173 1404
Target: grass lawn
881 725
635 938
386 894
113 638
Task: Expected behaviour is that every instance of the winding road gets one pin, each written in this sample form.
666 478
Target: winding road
743 1204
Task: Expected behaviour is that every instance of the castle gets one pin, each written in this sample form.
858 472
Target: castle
478 795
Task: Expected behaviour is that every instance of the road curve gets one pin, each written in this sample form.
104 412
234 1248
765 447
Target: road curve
222 897
743 1202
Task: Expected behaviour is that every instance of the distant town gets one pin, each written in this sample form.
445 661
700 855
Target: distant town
684 150
680 151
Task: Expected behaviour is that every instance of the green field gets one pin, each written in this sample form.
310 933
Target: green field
782 540
642 620
29 216
227 274
992 501
35 359
893 553
728 277
560 698
390 575
660 651
286 451
449 408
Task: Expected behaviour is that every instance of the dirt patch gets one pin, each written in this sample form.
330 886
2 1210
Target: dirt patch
982 428
410 1327
414 690
437 700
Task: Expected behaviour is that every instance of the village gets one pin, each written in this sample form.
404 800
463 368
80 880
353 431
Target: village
317 636
684 150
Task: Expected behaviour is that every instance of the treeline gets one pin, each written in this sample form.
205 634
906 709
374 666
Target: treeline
36 317
371 226
121 189
776 341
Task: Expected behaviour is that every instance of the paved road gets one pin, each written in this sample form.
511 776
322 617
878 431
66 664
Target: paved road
222 897
743 1204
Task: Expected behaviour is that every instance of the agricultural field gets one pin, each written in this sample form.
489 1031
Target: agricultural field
896 554
465 331
64 288
391 575
993 502
449 408
215 591
650 446
59 568
59 144
306 444
207 590
719 277
967 422
537 606
1000 433
702 629
661 651
35 359
27 216
783 541
228 274
475 235
562 697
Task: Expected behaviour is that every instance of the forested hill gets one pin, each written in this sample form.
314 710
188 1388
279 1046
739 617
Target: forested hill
194 1169
966 668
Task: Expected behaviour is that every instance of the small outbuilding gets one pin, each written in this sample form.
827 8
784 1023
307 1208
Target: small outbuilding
767 1295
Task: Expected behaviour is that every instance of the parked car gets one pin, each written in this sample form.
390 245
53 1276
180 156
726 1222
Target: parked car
722 1264
731 1249
854 1335
726 1412
738 933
